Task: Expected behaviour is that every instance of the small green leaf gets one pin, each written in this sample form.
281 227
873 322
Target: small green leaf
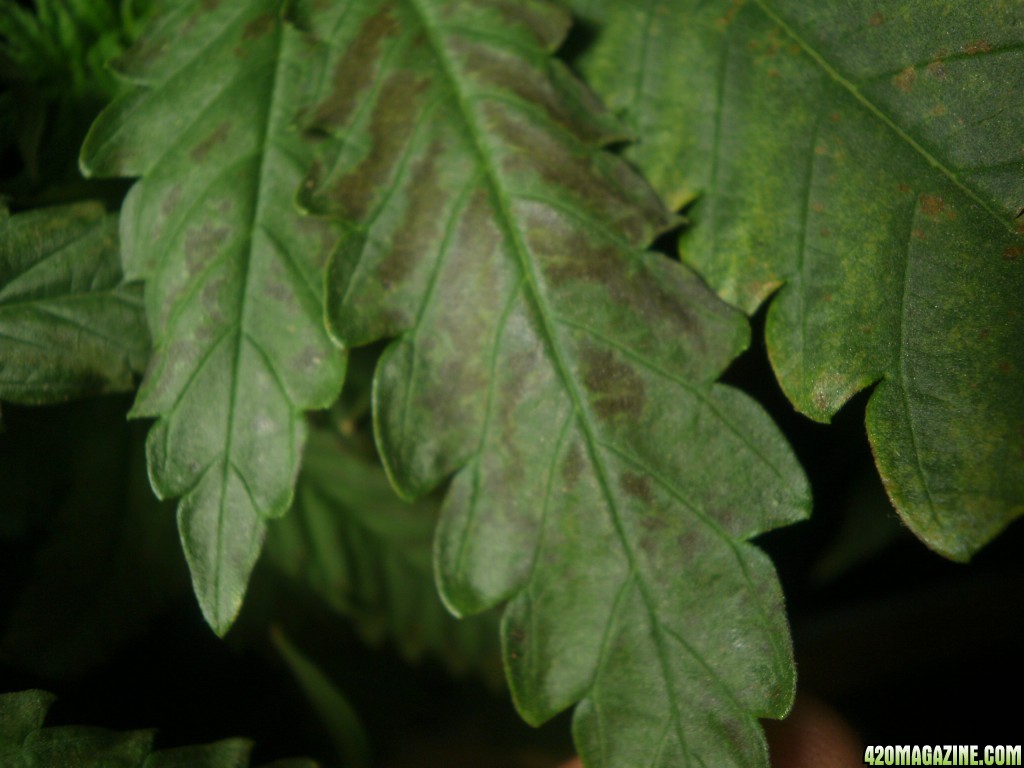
867 158
69 326
368 555
233 274
25 743
603 486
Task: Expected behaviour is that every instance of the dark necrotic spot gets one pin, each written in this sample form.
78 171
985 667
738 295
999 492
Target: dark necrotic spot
637 486
615 388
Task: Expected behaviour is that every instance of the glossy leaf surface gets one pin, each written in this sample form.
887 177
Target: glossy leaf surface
603 484
866 157
69 325
233 274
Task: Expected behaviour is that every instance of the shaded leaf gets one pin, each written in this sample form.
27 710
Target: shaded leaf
603 485
332 707
867 158
69 325
233 275
25 743
368 555
105 564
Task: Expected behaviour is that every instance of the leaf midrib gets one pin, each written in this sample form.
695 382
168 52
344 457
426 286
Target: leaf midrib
877 111
579 407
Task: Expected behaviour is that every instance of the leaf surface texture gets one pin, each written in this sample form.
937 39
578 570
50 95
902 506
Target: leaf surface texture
603 484
69 325
865 157
232 270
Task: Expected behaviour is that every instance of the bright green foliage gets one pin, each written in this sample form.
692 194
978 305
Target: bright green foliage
603 485
233 274
867 158
69 325
25 743
368 554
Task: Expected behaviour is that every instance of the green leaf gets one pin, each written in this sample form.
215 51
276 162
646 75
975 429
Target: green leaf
368 555
233 275
69 326
866 157
332 707
603 484
25 743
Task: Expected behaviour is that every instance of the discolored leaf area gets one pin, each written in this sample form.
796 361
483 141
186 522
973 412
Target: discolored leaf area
603 485
69 325
866 157
232 270
25 743
368 555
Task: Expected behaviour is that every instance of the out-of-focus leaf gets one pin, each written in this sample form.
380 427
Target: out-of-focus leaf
99 556
25 743
333 708
865 156
603 484
233 274
69 325
367 553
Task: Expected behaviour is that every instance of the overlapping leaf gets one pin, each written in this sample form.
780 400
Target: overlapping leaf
233 274
603 485
69 325
368 554
866 157
25 743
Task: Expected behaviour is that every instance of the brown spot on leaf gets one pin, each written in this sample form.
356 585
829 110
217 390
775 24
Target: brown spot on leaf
984 333
637 486
616 390
935 208
1005 367
825 232
572 466
774 73
918 234
938 110
218 136
903 187
202 244
834 117
1013 253
877 19
936 69
817 207
978 46
905 79
355 71
261 26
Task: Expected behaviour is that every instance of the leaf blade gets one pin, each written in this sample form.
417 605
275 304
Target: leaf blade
231 271
550 363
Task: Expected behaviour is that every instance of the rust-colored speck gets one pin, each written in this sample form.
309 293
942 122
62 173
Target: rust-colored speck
984 333
903 187
935 208
877 19
834 117
978 46
817 207
918 234
825 232
1013 253
258 27
826 297
938 110
774 73
1005 367
936 69
795 49
904 81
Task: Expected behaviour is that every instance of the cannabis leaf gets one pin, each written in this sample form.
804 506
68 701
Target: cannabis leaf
867 158
25 743
69 326
603 485
369 556
233 274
